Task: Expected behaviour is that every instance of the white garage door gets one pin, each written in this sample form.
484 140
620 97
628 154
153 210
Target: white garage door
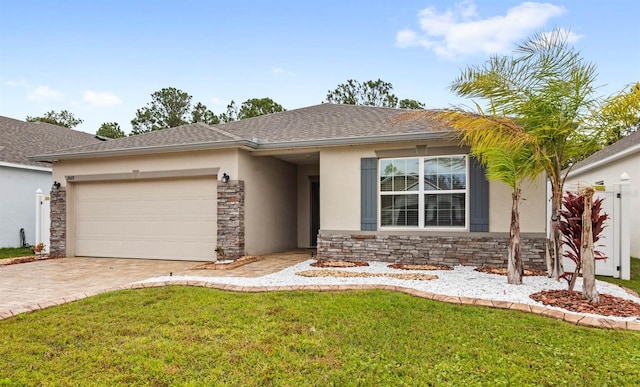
160 219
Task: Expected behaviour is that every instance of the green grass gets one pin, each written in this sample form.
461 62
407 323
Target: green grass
197 336
633 283
10 252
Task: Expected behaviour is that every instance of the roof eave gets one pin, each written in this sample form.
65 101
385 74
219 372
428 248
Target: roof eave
355 140
144 150
247 144
24 166
606 160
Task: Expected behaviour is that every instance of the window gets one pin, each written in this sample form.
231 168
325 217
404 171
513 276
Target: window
438 199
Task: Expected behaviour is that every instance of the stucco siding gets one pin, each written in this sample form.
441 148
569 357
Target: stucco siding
340 189
532 207
270 203
610 174
226 160
17 203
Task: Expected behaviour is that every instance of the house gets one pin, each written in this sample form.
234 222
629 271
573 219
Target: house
20 177
355 182
606 167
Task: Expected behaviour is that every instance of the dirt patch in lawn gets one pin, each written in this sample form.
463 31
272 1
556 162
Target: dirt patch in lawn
404 266
333 263
572 300
503 271
348 274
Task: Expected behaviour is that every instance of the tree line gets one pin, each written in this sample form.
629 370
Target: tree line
171 107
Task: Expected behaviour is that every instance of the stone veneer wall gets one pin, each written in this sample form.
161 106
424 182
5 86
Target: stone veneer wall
58 230
231 219
484 249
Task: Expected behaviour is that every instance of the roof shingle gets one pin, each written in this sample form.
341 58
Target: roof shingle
20 139
624 143
301 126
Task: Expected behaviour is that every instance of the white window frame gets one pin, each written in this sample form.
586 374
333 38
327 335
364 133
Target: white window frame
421 192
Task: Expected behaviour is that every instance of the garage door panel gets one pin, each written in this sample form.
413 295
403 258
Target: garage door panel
161 219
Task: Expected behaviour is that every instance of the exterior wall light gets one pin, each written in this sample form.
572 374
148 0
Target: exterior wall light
56 185
225 178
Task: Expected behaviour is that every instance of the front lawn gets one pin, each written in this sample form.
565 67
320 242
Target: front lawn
633 283
11 252
198 336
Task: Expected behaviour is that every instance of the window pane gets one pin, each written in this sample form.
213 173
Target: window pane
445 173
430 174
386 176
386 168
444 210
399 175
399 210
458 172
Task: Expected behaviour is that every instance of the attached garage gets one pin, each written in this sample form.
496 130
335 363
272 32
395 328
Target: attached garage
163 218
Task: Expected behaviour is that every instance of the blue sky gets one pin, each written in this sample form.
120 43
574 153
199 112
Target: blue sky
102 59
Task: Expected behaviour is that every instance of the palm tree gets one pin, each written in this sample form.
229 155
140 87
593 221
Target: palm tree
509 155
542 99
513 167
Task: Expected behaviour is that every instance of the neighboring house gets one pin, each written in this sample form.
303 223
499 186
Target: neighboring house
353 181
20 177
606 167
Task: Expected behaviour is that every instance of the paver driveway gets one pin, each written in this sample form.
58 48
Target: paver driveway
26 284
31 286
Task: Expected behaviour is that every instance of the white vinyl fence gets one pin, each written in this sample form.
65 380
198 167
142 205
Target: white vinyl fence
43 220
615 238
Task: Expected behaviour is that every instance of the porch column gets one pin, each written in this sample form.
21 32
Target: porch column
230 215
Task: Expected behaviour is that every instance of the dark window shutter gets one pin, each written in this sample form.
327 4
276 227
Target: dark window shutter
479 200
369 193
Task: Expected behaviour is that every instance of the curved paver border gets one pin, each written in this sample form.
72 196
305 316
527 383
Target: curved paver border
572 318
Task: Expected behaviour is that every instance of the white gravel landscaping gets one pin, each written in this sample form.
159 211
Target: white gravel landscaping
463 281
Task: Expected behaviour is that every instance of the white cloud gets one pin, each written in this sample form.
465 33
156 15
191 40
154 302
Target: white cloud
20 83
103 99
569 36
43 93
459 31
280 70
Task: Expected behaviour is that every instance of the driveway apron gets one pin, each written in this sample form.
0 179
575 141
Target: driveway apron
23 286
31 286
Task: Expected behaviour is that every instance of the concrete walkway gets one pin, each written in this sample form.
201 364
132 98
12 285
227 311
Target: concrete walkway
37 285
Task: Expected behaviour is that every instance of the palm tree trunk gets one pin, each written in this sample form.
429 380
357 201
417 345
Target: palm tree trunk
555 240
589 291
514 259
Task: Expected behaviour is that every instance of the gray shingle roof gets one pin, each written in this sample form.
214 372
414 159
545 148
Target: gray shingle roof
617 147
294 128
20 139
325 121
191 134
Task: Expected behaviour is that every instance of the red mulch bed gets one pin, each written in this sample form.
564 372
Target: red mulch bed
572 300
406 266
333 263
503 271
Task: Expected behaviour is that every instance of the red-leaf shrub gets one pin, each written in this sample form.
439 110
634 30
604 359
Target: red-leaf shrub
571 228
